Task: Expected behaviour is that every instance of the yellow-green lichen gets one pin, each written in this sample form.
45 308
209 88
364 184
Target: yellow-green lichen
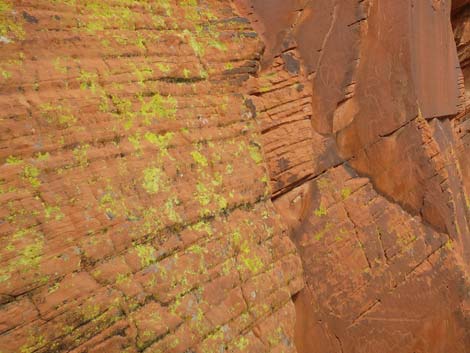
236 238
255 153
31 175
323 184
33 344
449 244
80 154
320 211
29 256
12 160
60 65
203 194
53 212
146 253
5 74
10 27
218 179
151 223
124 110
142 73
161 141
90 311
135 142
345 193
88 80
197 47
169 209
42 156
275 337
154 180
229 169
253 263
60 114
158 107
101 15
221 202
241 343
109 204
141 44
203 226
199 158
217 44
165 68
122 278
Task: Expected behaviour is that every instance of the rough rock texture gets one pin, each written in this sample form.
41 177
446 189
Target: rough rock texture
196 176
374 192
135 204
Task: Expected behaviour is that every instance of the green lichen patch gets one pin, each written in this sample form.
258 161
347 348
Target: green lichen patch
203 37
321 211
60 64
5 74
203 226
12 65
160 141
53 212
31 175
34 343
60 114
141 72
151 223
203 194
146 253
113 204
199 158
345 193
80 154
158 107
154 180
170 211
101 15
28 257
41 157
124 111
135 141
11 28
255 153
241 343
88 81
249 259
164 68
12 160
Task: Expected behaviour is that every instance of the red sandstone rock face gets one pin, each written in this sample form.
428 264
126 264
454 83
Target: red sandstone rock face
234 176
136 214
384 94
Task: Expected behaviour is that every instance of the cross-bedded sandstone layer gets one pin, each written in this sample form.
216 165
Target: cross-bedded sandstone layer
136 213
196 176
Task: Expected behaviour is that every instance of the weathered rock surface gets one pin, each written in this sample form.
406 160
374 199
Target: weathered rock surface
135 204
380 212
234 176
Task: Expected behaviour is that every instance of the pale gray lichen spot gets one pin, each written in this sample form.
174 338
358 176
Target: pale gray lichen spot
4 40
